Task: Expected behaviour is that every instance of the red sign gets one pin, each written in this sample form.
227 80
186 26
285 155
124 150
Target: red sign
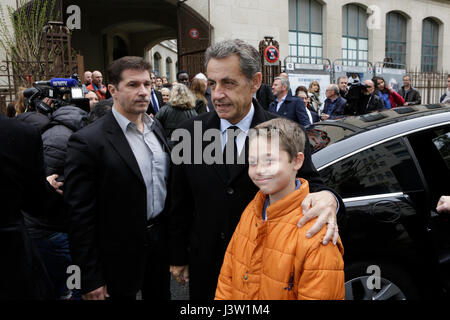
272 54
194 33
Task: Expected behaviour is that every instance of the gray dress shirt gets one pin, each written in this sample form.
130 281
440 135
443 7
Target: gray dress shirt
152 160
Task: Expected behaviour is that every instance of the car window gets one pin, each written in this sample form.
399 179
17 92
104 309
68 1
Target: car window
386 168
442 144
321 136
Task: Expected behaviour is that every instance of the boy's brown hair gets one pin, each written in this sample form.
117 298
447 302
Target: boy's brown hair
291 136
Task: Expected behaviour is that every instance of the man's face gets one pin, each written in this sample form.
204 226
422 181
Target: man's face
97 78
277 89
329 92
406 81
93 99
88 77
270 168
184 79
159 82
304 97
448 83
343 84
165 81
370 88
132 94
231 91
153 79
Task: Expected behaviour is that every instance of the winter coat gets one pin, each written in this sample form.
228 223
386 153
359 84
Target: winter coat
412 97
56 131
171 117
395 99
63 122
38 120
338 111
273 259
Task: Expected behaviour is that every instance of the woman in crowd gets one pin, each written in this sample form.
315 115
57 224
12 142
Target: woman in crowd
179 108
314 95
198 88
391 99
165 92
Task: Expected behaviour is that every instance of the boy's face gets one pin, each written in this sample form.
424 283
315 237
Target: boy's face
270 168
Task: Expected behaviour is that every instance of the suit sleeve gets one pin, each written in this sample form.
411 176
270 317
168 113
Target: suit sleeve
80 198
37 185
224 289
181 212
300 111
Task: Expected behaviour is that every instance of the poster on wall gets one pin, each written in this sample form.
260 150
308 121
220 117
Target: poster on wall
305 79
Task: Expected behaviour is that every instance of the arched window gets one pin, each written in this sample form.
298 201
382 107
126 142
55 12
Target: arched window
430 45
396 37
305 30
156 63
355 35
168 68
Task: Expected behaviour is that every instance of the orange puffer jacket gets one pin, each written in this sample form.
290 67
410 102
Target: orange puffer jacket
273 259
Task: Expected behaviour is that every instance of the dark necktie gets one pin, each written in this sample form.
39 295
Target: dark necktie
154 101
231 144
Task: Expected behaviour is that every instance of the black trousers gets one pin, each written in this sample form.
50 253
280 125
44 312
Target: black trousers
156 282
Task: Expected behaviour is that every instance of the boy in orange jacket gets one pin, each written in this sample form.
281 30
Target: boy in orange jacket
269 257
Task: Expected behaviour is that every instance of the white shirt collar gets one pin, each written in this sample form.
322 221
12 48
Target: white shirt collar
244 124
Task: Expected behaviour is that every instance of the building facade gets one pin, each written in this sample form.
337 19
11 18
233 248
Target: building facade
415 33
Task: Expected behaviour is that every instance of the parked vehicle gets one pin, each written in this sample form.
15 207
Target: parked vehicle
390 167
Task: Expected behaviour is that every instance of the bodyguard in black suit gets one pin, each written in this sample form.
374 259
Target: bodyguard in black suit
207 200
115 189
22 188
292 107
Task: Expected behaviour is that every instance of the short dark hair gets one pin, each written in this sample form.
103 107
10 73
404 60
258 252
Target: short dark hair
116 68
99 110
181 72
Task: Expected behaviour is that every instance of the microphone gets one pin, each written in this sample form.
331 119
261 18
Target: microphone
59 83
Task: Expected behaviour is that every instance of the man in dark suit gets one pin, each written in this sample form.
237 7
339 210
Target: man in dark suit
334 104
156 100
208 198
288 106
22 189
115 190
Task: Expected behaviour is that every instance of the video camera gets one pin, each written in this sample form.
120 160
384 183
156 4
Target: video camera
354 98
61 91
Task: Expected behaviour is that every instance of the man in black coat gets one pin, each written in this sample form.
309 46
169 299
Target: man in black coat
208 197
22 188
115 191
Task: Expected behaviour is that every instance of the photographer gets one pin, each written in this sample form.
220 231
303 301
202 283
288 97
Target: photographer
362 99
57 120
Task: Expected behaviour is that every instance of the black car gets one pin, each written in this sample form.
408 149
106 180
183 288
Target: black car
390 168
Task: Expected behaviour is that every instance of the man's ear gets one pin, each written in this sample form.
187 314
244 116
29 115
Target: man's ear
256 81
298 160
112 89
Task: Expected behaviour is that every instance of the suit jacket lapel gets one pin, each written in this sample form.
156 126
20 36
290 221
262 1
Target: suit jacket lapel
119 142
213 122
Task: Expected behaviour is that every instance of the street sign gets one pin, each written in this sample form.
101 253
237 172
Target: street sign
272 55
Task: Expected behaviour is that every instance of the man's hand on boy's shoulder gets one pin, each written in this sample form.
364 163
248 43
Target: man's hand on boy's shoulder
323 206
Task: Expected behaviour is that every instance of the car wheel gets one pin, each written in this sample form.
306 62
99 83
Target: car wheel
392 283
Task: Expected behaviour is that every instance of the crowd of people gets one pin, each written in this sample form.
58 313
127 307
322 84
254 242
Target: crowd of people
101 189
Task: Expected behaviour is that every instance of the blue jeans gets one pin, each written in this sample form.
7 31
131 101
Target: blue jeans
54 250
